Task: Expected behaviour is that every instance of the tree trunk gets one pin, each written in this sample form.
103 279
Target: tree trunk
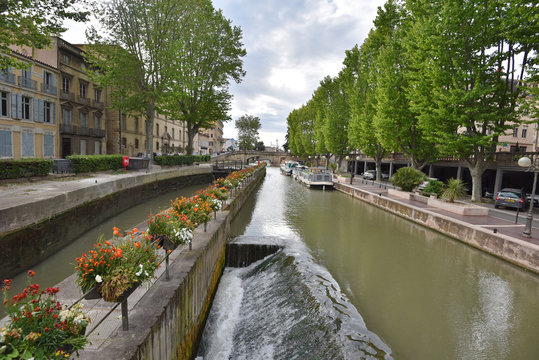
477 173
191 132
150 115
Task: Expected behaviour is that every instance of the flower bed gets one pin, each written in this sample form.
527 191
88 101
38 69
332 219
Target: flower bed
39 327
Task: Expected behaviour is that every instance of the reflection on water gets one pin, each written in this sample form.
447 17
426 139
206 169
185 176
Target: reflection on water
346 264
61 264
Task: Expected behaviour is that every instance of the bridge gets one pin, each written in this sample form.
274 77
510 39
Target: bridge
253 156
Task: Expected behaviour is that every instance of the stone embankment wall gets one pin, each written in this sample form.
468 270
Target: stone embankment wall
518 252
33 231
168 321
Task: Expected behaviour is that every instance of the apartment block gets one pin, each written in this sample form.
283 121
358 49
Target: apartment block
29 108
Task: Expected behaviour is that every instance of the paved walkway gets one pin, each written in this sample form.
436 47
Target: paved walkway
503 221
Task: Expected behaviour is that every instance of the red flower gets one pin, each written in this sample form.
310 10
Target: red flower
31 273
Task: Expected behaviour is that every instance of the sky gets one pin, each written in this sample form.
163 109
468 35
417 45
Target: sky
291 46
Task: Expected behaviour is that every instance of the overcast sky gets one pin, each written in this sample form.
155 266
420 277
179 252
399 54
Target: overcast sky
291 45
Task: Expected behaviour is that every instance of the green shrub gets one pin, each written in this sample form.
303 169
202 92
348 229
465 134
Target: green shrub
13 169
455 189
93 163
172 160
408 178
434 187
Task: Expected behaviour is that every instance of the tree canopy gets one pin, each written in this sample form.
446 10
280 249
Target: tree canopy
248 126
32 23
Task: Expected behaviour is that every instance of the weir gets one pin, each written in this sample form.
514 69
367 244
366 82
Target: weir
242 255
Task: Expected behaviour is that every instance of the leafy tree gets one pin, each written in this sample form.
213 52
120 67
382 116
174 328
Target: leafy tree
31 23
132 54
260 146
248 126
206 55
397 126
465 89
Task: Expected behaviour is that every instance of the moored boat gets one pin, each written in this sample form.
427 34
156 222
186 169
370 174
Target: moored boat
288 166
317 176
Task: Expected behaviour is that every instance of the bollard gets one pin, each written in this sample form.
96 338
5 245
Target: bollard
166 267
125 318
516 218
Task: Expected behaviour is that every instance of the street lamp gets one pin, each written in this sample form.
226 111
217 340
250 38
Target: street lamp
526 162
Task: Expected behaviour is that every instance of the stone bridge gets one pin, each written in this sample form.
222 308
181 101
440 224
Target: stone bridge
249 156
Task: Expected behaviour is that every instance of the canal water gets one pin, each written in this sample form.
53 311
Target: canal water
356 282
62 264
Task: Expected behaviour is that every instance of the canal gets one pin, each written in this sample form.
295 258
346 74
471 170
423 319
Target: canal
62 264
354 282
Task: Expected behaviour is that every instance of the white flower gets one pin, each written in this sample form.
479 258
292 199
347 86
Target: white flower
140 271
98 279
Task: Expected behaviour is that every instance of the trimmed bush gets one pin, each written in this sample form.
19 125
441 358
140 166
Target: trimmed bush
93 163
14 169
172 160
434 187
408 178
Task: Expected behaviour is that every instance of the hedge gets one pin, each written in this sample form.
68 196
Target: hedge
171 160
13 169
93 163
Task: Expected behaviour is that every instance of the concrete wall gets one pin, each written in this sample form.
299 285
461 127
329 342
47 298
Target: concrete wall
168 321
55 222
518 252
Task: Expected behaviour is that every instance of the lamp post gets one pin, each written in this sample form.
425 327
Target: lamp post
526 162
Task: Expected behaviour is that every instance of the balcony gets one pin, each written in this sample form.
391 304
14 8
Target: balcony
66 95
97 133
48 89
66 129
83 100
98 104
27 83
83 130
7 77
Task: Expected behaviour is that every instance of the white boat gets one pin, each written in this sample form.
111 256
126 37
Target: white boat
297 170
318 176
288 166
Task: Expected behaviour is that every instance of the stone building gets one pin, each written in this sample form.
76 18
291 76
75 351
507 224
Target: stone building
29 106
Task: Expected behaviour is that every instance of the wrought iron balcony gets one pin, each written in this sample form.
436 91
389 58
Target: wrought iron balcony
98 104
83 100
27 83
49 89
7 77
66 95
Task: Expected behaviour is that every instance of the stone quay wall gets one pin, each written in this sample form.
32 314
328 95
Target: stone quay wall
32 231
168 321
518 252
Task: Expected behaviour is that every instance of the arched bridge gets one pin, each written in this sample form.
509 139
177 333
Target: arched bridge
247 157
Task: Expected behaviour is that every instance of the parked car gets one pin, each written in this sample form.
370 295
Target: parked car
535 200
371 175
509 197
425 183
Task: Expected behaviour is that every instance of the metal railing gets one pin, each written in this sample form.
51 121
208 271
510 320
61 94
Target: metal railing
7 77
27 83
49 89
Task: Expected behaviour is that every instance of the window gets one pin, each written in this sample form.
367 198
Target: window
4 103
172 133
66 84
524 132
27 73
47 112
66 116
48 145
157 130
48 79
515 132
97 95
65 59
123 125
157 146
25 108
82 90
27 144
84 120
97 122
136 124
6 148
124 143
136 143
97 147
83 147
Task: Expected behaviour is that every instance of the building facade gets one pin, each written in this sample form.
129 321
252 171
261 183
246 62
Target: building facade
29 106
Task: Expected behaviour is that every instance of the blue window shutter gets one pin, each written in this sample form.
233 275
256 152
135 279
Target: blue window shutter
15 106
54 113
6 148
35 104
41 110
53 77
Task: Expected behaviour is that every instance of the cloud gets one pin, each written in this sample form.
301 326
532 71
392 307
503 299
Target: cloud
291 46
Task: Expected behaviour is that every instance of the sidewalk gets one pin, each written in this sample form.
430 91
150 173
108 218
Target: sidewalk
494 221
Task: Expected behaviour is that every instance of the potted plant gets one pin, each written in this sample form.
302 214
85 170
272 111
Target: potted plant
114 269
39 327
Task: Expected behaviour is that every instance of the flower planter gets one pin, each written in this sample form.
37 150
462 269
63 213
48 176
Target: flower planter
166 243
93 294
126 293
458 207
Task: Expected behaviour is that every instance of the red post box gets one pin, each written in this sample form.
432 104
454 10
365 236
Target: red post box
125 162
